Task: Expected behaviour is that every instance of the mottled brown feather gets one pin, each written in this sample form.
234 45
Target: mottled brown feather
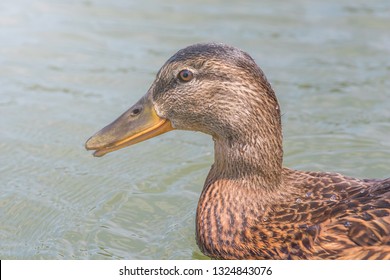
317 219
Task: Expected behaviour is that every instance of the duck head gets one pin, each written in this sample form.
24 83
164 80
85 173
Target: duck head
211 88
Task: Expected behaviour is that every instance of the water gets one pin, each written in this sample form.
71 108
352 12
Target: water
70 67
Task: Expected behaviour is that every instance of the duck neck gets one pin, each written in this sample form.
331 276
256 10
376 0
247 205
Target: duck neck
253 161
242 184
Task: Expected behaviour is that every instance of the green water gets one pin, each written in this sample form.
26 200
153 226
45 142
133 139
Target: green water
70 67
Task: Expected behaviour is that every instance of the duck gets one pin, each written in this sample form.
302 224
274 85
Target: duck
251 206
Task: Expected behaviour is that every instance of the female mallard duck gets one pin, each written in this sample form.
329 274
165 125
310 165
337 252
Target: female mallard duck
251 207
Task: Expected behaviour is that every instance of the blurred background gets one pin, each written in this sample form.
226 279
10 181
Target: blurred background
68 68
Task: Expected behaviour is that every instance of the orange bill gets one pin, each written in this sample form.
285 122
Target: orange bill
137 124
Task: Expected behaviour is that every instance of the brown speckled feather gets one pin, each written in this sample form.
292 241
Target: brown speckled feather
321 216
251 207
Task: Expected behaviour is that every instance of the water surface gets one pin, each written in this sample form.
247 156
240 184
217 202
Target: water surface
70 67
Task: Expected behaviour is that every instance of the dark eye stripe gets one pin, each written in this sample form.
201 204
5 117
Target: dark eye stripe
185 75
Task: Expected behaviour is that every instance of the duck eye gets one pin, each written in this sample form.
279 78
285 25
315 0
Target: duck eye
185 75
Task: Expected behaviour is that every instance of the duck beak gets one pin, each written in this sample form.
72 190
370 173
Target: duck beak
137 124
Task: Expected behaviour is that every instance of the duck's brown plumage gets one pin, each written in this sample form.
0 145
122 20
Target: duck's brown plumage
316 216
251 207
